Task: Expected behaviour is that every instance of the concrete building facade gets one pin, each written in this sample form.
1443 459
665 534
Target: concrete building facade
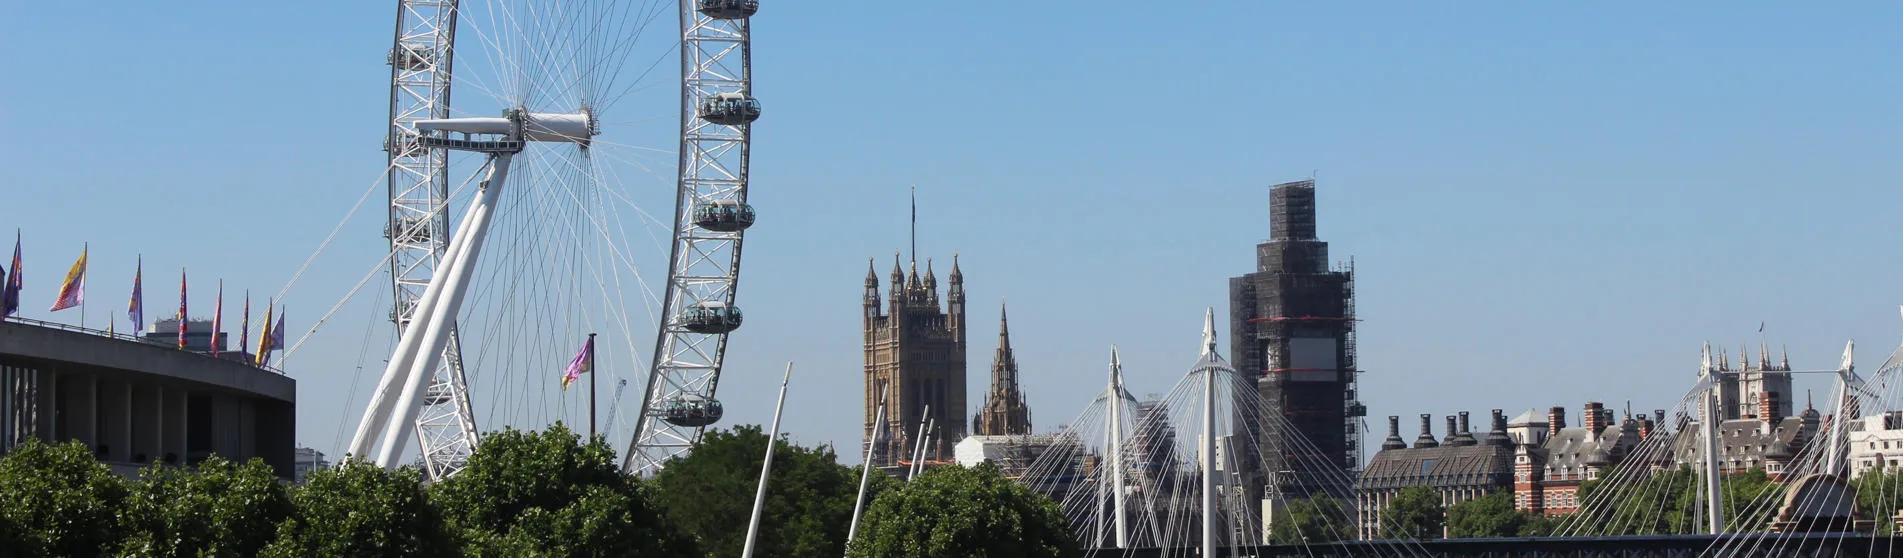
1876 443
136 403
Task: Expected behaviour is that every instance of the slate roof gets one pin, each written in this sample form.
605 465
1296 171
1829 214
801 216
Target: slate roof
1745 439
1484 465
1528 418
1576 447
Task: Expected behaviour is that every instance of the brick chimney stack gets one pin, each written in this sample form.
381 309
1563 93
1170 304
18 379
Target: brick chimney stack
1555 422
1594 419
1767 410
1453 433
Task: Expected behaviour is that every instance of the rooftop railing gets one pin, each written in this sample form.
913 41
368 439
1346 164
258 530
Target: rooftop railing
123 337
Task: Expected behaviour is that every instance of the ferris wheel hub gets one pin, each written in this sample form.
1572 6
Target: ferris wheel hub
507 132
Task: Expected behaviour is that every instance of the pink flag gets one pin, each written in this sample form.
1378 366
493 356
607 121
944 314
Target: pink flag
584 362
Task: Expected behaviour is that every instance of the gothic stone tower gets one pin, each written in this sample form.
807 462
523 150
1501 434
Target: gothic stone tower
918 351
1294 324
1004 412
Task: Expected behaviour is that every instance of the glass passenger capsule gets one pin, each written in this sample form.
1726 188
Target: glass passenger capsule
730 109
710 317
723 215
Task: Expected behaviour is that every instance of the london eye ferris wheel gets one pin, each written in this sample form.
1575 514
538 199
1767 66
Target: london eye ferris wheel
509 215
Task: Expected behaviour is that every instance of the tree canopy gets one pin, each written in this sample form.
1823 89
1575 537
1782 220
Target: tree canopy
547 494
59 501
217 508
709 494
1315 520
358 509
1667 502
1414 513
956 511
1491 515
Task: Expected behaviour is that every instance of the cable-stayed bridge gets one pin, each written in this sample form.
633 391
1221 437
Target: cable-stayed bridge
1180 475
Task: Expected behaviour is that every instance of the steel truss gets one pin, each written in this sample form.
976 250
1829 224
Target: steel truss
418 229
704 267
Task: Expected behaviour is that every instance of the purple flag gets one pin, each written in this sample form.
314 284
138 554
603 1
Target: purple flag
584 362
136 309
10 296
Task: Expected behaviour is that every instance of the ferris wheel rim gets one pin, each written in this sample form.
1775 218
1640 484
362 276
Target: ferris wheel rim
681 368
418 203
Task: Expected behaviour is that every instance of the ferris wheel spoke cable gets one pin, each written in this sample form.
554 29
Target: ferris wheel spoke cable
333 232
319 324
350 396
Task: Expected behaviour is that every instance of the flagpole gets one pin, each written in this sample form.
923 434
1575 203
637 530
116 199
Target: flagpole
759 497
591 385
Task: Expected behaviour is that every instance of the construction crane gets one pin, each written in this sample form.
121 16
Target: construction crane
614 407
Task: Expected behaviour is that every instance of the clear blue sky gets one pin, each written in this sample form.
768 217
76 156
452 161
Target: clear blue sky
1548 204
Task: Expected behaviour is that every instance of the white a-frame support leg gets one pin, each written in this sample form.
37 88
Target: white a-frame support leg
420 349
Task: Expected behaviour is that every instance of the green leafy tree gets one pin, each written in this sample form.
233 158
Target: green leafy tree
1319 519
1751 501
1539 525
1880 497
709 494
1487 516
1414 513
547 494
219 508
359 509
58 500
957 511
1661 502
1670 502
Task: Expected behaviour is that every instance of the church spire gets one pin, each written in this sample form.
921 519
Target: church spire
872 285
930 285
1004 412
1004 328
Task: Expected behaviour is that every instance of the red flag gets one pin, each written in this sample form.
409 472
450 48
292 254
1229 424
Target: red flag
244 327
